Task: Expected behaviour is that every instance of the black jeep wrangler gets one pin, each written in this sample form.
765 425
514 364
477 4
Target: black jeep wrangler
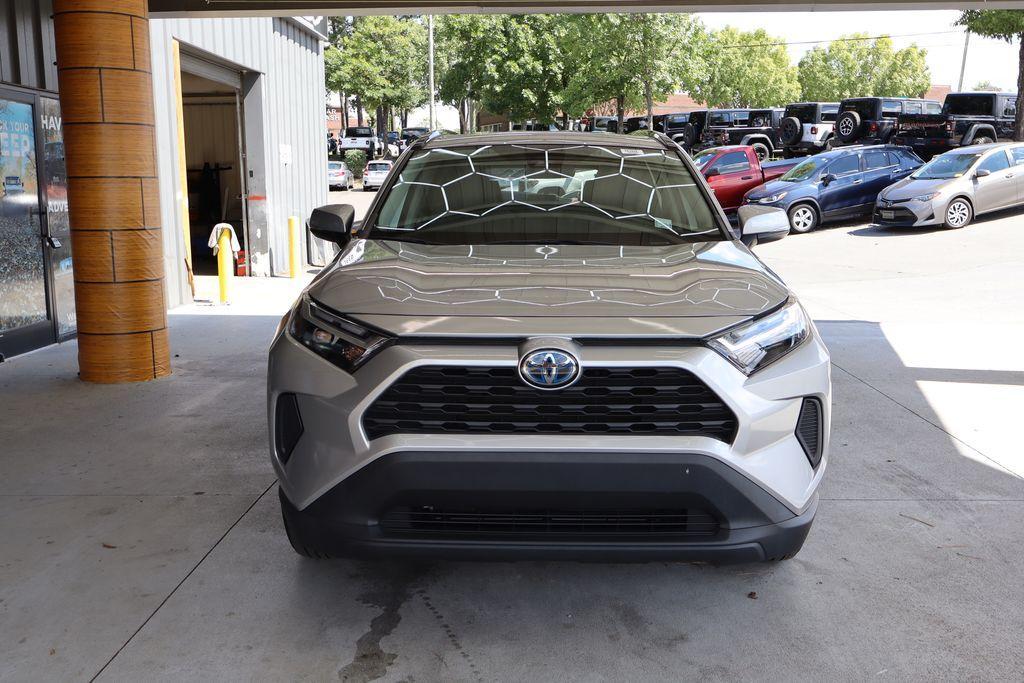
967 118
872 120
758 128
686 128
808 128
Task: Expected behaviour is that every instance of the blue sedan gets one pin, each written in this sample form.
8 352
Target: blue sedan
836 185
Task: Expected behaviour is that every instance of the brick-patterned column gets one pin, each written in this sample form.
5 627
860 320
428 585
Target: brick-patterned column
106 99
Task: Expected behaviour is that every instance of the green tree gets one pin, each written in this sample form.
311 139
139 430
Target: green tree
382 60
631 59
464 50
986 86
749 69
854 66
524 75
1006 25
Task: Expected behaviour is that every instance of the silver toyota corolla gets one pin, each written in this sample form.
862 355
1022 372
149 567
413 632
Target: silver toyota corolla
548 345
954 187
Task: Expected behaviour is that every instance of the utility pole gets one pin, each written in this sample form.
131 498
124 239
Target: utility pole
430 50
963 64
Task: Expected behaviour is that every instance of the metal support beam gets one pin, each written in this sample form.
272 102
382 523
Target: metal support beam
106 96
250 8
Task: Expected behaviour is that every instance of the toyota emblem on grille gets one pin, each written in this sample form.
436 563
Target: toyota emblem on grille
549 369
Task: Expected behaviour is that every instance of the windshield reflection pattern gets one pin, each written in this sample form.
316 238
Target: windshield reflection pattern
539 194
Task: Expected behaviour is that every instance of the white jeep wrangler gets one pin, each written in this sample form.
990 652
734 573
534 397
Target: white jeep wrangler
808 128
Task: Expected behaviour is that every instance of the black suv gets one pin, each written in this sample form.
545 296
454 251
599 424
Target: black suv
686 128
758 128
872 120
967 118
808 128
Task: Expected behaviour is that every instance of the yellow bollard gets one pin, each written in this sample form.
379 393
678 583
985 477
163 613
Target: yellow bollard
294 243
225 270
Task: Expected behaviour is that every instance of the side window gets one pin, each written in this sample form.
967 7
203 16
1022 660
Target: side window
912 108
1010 109
891 109
829 113
733 162
995 163
1018 156
932 108
845 166
876 160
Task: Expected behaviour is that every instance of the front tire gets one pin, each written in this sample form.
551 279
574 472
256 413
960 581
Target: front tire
959 214
803 218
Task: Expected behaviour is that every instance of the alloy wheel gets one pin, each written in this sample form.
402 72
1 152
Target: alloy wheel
802 219
958 214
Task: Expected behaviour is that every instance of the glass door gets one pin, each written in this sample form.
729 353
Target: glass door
25 322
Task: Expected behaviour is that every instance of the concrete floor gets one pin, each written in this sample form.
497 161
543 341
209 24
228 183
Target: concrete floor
142 540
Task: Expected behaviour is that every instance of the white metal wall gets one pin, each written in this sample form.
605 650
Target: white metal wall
289 58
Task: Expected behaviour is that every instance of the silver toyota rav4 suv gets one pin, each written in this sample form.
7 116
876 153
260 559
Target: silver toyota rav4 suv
548 345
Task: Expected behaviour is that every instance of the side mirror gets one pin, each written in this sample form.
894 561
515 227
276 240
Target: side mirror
333 223
712 172
761 224
982 173
828 179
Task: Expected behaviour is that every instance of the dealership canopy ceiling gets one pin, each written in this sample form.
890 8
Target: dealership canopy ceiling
250 8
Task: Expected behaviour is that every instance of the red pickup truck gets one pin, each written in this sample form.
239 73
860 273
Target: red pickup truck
732 171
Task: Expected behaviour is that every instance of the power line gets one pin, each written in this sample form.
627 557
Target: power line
850 39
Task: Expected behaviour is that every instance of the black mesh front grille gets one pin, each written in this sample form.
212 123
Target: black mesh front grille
430 521
808 430
452 400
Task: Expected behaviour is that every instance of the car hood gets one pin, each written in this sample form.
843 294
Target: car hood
772 187
679 290
909 187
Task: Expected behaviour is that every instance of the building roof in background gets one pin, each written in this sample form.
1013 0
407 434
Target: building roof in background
938 92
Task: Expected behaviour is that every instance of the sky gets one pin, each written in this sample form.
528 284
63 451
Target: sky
987 59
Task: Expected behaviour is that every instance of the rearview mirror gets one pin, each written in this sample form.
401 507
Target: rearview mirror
761 224
982 173
333 223
828 178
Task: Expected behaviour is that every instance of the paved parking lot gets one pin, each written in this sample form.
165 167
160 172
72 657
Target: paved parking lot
142 538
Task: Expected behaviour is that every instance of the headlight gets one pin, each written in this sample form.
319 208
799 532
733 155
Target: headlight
343 342
761 342
926 197
773 198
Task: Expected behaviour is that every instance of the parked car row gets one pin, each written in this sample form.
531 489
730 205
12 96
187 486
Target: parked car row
890 184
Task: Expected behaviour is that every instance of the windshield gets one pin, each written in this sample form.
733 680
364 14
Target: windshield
545 194
946 166
968 105
803 170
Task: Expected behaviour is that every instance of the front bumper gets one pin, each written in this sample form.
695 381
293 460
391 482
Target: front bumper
758 488
522 505
910 214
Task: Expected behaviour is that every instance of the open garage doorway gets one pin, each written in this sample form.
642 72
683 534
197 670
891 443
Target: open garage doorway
212 120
